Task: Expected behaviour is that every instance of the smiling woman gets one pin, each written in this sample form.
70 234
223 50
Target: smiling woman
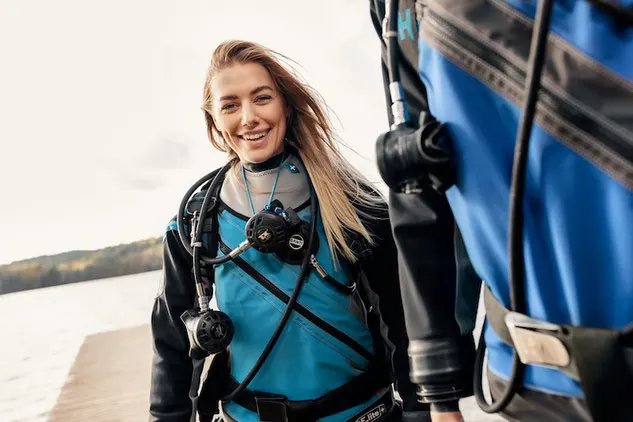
250 112
248 92
301 303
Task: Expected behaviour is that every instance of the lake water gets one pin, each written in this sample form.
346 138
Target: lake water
42 331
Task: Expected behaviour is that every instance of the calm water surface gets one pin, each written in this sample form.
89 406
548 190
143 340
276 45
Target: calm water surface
42 330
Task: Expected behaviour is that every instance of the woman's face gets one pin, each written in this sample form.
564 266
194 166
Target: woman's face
249 112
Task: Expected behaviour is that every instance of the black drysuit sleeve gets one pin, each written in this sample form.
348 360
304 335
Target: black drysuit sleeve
442 354
172 367
381 270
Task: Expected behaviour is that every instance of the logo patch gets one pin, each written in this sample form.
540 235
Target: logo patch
372 414
296 242
292 168
217 331
264 235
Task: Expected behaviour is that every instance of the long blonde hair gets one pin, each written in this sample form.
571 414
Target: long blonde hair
309 131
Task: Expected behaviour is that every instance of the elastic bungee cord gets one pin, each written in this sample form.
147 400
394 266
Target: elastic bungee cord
194 251
538 47
272 191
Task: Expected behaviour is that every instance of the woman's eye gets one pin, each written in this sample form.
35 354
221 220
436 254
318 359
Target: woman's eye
263 98
228 106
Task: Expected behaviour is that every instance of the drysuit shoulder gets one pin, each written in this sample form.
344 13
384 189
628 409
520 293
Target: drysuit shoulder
193 204
172 226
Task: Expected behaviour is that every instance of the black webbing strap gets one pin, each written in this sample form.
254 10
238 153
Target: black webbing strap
194 387
277 408
384 408
495 316
600 359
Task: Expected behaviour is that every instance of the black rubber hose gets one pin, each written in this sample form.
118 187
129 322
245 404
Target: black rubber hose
203 211
393 52
180 218
538 47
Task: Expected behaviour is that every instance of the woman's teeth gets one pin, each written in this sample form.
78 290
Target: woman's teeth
254 137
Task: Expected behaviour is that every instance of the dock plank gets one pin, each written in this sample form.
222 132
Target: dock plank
109 380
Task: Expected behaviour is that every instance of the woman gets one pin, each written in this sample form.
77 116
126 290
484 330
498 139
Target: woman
344 341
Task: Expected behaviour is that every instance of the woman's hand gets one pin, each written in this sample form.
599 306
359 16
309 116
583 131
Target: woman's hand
447 417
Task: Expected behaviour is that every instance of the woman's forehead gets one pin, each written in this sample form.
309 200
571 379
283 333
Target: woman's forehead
240 79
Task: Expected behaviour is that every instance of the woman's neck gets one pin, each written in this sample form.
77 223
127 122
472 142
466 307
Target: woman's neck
271 163
292 188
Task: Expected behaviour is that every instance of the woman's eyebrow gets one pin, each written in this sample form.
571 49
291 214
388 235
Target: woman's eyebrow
260 89
228 97
253 92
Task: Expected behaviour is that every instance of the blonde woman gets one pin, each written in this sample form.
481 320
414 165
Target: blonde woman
328 297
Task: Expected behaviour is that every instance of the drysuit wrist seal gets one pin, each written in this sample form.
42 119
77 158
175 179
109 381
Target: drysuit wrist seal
442 368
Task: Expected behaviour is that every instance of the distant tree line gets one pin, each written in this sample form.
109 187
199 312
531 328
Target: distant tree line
74 266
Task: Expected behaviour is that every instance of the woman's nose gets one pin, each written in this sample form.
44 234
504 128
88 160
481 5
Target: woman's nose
249 117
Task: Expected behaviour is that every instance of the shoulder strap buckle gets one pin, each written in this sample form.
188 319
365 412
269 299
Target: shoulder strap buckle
535 341
271 407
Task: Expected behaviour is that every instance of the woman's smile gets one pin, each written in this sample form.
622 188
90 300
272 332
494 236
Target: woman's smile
255 139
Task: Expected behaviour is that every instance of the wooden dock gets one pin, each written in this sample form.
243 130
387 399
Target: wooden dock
109 381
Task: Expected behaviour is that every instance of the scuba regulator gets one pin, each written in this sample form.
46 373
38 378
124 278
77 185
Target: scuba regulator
272 230
411 157
279 231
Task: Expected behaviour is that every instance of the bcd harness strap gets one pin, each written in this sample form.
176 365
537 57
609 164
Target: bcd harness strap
277 408
601 360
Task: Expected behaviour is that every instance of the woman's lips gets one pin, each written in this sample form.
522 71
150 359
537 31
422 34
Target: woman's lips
253 135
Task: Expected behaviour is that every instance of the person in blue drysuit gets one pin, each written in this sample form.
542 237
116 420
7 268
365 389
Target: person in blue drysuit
466 65
344 344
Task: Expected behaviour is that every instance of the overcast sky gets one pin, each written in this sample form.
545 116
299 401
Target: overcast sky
101 131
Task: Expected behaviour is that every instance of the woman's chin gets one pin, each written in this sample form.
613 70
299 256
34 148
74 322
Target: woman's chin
259 155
